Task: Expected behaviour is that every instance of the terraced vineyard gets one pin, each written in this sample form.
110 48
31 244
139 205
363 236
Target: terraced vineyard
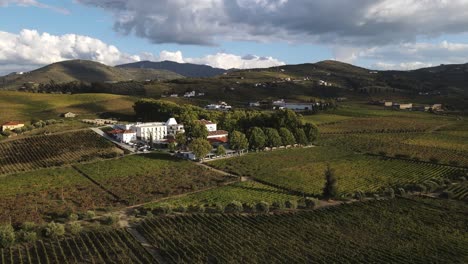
445 147
459 191
245 192
93 247
53 150
389 231
142 178
38 195
380 125
302 170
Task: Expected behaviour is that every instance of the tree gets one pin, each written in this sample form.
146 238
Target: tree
238 141
220 151
273 138
54 230
200 147
181 139
286 136
171 147
195 130
7 236
300 136
257 138
311 132
330 189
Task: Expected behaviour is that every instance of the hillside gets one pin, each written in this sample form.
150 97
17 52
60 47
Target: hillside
185 69
82 70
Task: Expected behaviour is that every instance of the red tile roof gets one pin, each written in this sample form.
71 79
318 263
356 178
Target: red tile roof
12 123
218 140
206 122
219 133
115 131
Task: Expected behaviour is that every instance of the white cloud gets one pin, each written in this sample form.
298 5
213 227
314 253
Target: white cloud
408 56
350 22
30 49
34 3
229 61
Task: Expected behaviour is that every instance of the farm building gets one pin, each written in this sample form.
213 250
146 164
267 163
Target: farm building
12 125
124 136
388 104
293 106
210 126
69 115
406 106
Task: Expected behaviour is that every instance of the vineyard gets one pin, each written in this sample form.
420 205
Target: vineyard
380 125
447 147
302 170
459 191
53 150
390 231
245 192
92 247
36 196
142 178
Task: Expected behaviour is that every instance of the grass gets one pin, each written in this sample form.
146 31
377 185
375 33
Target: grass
20 106
302 170
245 192
389 231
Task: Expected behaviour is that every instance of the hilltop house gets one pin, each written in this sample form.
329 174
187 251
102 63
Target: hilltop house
222 106
12 125
69 115
190 94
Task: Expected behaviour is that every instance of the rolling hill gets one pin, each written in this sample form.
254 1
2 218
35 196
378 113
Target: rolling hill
185 69
82 70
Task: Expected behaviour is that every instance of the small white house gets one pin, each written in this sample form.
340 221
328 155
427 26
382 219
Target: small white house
126 136
210 126
190 94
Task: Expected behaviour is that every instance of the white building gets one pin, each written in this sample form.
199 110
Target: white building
222 106
173 128
190 94
210 126
126 136
281 104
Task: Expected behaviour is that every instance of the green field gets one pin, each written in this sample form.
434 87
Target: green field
302 170
245 192
20 106
142 178
391 231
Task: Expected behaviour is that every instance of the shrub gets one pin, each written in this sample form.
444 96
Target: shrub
28 226
446 195
219 208
390 192
401 192
262 207
196 208
291 204
74 228
233 207
249 208
278 205
181 209
90 215
311 203
111 220
27 236
54 230
359 195
162 209
7 236
149 214
73 217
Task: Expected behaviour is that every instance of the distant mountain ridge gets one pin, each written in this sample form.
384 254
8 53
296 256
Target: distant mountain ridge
185 69
84 71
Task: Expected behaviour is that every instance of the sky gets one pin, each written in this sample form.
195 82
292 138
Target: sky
376 34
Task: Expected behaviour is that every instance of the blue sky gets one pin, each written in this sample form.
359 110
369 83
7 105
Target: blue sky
382 34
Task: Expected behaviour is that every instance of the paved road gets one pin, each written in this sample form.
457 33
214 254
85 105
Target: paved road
101 133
